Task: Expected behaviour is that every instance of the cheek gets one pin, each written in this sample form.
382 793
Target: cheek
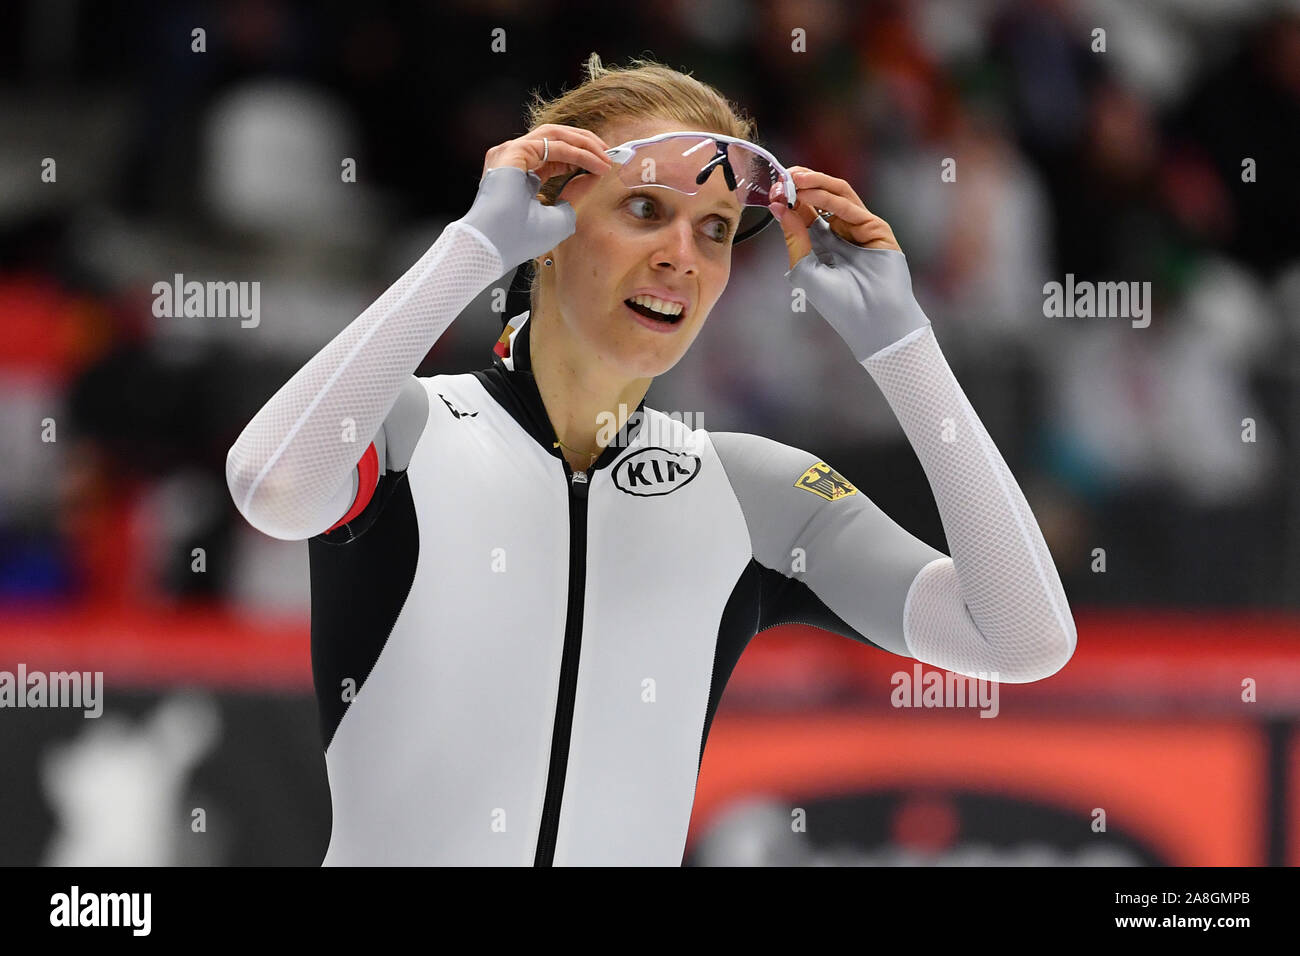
587 275
595 258
716 283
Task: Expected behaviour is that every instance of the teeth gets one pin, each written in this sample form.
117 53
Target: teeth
658 305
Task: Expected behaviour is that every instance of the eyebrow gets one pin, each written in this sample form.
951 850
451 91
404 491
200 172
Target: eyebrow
729 206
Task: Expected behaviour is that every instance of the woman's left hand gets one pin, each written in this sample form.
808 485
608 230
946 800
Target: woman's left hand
849 267
817 193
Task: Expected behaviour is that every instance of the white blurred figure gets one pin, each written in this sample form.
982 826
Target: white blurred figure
755 831
1153 49
116 789
273 155
1224 328
979 246
1166 404
273 151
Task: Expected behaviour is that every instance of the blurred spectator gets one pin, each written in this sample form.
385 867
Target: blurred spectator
1125 165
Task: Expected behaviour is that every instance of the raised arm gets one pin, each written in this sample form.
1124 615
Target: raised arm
832 557
293 470
296 469
995 608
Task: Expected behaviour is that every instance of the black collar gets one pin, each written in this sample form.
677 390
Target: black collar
515 390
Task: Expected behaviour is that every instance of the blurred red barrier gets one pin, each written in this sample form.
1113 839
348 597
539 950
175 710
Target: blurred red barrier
1136 661
1146 721
1193 790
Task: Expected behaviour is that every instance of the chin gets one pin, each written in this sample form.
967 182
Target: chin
645 364
643 356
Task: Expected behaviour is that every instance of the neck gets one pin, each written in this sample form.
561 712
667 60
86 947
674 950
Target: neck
586 403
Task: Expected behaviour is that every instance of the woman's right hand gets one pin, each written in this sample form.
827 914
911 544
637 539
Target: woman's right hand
507 210
566 148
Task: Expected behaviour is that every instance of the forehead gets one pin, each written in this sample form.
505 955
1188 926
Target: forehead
624 130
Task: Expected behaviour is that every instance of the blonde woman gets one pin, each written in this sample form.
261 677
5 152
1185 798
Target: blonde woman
527 600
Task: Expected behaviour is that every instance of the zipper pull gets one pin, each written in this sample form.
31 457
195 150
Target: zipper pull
579 477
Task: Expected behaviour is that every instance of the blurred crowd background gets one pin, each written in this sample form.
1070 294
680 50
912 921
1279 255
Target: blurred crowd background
1123 165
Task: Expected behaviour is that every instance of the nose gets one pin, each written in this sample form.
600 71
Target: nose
678 249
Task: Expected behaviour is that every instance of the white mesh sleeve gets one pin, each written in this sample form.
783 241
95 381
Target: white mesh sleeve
995 608
291 467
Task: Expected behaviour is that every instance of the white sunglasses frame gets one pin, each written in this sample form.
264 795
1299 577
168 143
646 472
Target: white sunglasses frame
624 151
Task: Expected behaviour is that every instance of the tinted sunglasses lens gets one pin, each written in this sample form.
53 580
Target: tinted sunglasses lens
755 175
680 163
752 221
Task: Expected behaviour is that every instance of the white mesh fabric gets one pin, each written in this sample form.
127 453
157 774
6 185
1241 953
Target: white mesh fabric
995 605
293 463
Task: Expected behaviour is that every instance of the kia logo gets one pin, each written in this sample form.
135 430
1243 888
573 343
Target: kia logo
655 471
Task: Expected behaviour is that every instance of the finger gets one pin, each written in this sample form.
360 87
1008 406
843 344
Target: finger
878 236
870 231
565 148
803 176
849 210
573 134
562 156
798 243
804 211
854 222
556 129
874 233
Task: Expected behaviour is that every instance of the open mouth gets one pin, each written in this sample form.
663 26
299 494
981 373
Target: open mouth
650 313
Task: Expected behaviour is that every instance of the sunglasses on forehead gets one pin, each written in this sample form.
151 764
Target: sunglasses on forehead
684 161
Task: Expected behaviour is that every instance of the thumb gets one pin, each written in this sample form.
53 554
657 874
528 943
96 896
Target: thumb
798 242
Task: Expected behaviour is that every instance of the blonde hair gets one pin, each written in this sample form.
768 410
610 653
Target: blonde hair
644 89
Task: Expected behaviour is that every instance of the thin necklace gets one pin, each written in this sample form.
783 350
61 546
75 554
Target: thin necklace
559 444
593 456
